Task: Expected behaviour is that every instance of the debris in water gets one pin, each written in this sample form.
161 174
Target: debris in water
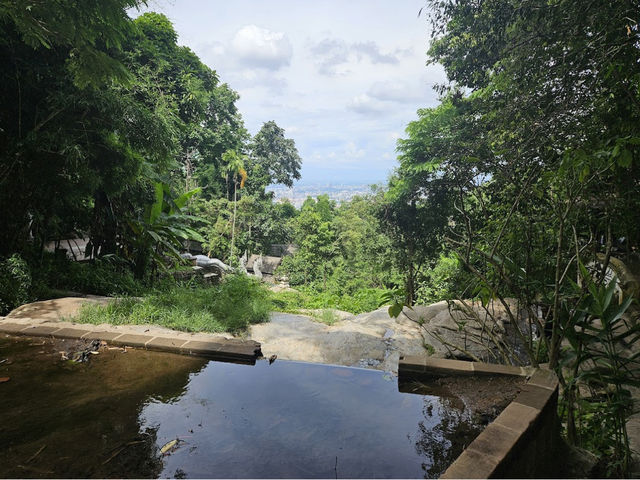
272 359
2 361
4 379
118 450
36 454
84 355
170 447
36 470
64 355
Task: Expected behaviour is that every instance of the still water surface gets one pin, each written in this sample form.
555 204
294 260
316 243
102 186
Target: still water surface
113 416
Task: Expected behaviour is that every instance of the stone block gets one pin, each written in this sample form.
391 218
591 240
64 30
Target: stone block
104 335
223 350
517 417
131 340
70 333
411 365
534 396
443 366
492 369
40 331
470 464
496 441
544 378
166 344
12 327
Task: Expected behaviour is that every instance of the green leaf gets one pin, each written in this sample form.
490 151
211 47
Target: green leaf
182 200
156 207
395 310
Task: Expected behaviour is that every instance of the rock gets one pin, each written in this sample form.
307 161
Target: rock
633 431
257 267
371 340
204 261
243 265
466 330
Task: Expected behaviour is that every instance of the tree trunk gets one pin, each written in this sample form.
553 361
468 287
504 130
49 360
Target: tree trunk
233 225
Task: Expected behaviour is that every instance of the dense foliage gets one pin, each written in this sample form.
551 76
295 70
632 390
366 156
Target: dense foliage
341 252
111 131
528 169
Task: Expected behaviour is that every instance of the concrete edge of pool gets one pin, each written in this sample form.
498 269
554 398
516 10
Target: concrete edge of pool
230 350
519 443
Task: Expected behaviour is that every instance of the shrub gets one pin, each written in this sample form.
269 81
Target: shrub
106 276
15 283
364 300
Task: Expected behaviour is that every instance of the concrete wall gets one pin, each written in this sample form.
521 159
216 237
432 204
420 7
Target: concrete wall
523 441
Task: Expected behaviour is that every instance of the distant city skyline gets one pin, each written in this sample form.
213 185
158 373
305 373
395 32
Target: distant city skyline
300 192
342 78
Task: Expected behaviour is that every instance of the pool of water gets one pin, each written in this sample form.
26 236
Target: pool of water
150 414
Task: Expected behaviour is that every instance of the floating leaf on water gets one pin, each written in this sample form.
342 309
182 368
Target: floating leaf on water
4 379
168 446
93 352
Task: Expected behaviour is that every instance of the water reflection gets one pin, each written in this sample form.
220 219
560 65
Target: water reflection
296 420
68 420
119 415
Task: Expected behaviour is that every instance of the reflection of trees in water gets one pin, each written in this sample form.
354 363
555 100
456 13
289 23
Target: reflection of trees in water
84 420
443 434
136 458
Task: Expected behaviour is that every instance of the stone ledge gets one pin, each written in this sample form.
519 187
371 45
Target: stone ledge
496 442
14 328
166 344
544 378
493 369
470 464
433 366
131 340
39 331
221 349
103 335
501 448
71 333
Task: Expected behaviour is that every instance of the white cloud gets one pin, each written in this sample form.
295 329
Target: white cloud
396 91
365 105
374 53
333 53
352 151
330 54
261 48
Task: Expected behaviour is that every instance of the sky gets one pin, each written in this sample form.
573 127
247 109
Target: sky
342 77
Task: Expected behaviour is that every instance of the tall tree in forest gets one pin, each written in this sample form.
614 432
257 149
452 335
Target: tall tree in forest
273 159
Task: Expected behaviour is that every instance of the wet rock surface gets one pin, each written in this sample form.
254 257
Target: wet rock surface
369 340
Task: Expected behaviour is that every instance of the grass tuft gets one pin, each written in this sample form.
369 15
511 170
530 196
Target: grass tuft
231 306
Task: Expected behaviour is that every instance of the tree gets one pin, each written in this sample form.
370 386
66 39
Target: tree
237 173
542 144
89 36
274 159
161 230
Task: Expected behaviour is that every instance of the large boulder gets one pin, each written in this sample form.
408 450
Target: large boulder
468 330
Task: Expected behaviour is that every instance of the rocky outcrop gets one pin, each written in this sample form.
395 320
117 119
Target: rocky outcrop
468 330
